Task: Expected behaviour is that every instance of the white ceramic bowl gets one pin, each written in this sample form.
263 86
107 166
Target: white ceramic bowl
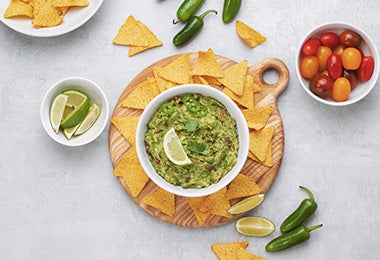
96 95
369 49
233 109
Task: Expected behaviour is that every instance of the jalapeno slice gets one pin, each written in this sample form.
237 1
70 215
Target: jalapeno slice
167 108
202 112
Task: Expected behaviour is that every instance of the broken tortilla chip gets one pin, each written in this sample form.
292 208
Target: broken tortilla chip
161 200
260 141
258 117
242 186
234 77
127 127
141 96
228 251
249 35
207 65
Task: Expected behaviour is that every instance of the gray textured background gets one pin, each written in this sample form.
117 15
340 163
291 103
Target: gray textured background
58 202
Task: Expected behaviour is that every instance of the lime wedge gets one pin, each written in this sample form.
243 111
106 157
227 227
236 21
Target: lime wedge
76 108
174 150
247 204
57 110
254 226
89 120
69 132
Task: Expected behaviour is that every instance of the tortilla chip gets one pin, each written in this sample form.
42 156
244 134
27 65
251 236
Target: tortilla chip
249 35
149 35
216 204
161 200
162 83
242 186
47 16
135 178
200 80
195 204
244 254
141 96
130 34
127 127
178 71
247 98
234 77
228 251
206 65
18 8
212 80
260 141
130 158
268 157
62 3
64 9
258 117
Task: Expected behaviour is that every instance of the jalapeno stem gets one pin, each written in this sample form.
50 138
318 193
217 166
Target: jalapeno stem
308 192
315 227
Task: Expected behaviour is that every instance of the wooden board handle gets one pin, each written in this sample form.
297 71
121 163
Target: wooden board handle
257 71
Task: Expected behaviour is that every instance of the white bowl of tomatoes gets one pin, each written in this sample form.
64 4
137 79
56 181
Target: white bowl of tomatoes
337 64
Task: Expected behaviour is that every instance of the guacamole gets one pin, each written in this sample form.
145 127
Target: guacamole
207 133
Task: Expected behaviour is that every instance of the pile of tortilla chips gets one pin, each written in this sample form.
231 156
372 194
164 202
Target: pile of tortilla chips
137 36
44 13
234 251
234 81
250 36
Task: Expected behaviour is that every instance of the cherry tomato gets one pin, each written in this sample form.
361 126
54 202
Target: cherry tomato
366 68
352 77
321 85
330 39
309 66
334 66
339 50
322 54
351 58
350 39
341 89
310 47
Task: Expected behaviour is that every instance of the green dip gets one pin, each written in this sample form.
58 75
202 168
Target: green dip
207 133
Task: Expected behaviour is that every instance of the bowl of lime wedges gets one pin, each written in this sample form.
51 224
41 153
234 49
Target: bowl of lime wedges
74 111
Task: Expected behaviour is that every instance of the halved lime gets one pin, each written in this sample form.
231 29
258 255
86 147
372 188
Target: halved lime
89 120
174 150
254 226
77 107
57 111
247 204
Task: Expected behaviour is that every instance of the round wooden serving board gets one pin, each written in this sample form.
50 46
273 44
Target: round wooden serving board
264 176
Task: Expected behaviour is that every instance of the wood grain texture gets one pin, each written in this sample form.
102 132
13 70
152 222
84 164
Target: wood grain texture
264 176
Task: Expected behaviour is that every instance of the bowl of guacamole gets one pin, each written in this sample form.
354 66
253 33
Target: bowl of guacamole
192 140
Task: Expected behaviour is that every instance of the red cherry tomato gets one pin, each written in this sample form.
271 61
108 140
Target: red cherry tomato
352 77
322 54
321 85
351 58
309 66
334 66
350 39
341 89
310 47
330 39
366 68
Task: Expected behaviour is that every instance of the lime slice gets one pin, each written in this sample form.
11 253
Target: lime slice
174 150
254 226
76 108
247 204
89 120
57 110
69 132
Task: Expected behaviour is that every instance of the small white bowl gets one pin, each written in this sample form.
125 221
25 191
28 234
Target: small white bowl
235 112
369 49
96 95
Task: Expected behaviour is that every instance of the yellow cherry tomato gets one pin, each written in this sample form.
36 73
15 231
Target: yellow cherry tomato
323 53
341 89
309 66
351 58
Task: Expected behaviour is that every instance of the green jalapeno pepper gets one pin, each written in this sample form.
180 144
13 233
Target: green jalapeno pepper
187 9
304 210
194 24
292 238
167 108
230 10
